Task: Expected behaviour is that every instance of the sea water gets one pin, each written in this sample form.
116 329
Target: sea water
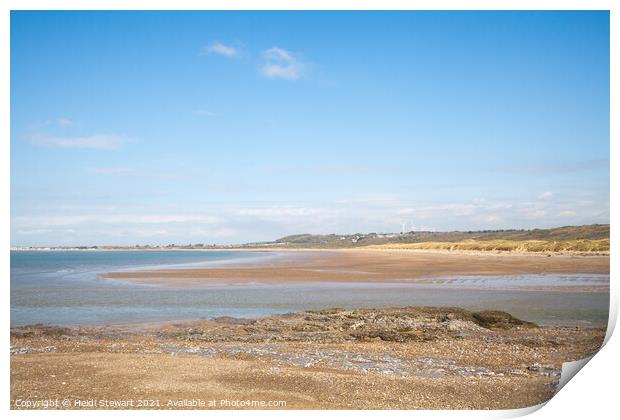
66 288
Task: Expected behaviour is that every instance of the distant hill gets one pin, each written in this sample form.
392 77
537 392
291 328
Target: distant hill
564 233
586 238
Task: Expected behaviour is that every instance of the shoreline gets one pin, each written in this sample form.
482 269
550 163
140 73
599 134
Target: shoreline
353 249
365 266
223 262
310 279
314 359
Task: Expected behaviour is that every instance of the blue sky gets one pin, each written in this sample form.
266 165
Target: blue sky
226 127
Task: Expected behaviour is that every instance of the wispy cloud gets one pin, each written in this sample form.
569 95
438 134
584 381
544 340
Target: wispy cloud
369 199
64 122
47 222
356 168
485 214
567 213
279 211
248 221
281 64
564 167
111 171
221 49
546 195
97 141
337 168
130 172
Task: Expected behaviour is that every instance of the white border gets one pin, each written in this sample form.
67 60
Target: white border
593 393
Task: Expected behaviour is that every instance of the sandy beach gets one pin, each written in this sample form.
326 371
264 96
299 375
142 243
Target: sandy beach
369 265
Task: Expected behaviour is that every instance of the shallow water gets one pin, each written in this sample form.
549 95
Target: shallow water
64 288
517 281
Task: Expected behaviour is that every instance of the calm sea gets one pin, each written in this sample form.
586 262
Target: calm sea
65 288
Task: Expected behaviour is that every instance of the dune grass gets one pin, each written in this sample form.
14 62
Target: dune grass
576 245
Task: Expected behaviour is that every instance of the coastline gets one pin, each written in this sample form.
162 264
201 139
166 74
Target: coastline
367 266
398 358
425 357
309 249
556 290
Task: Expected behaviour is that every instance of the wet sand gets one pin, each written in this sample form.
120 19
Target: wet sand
369 265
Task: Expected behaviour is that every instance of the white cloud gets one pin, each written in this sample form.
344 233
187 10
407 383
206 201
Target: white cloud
545 195
97 141
281 64
46 222
225 221
221 49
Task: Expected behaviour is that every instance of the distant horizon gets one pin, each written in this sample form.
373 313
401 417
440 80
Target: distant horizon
213 244
132 127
